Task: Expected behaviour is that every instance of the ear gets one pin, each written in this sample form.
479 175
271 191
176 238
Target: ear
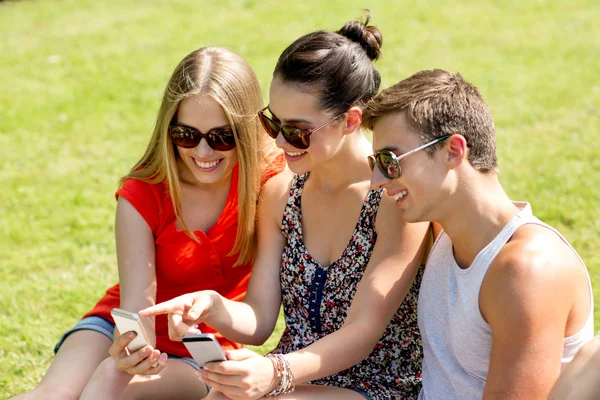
457 150
353 120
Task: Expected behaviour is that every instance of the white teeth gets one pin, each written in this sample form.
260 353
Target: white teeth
206 164
400 195
295 154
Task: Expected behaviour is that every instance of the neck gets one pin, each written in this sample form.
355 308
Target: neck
475 215
347 166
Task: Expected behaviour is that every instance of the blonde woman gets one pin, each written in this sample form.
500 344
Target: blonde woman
185 221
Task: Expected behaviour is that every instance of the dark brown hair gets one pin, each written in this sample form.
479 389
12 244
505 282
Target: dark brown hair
438 103
336 65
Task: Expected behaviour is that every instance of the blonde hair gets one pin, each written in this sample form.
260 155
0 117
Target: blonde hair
229 80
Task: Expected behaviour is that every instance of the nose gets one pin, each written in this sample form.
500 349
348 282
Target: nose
203 149
378 181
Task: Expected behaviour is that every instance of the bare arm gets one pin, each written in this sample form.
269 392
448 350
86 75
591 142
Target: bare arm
137 280
136 261
253 320
527 297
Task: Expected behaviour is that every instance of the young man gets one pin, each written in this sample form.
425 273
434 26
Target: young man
505 300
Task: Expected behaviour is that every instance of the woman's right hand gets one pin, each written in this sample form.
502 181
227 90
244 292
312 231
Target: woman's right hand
145 361
185 312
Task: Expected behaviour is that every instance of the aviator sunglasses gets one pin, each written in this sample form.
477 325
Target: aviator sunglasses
389 163
297 137
219 139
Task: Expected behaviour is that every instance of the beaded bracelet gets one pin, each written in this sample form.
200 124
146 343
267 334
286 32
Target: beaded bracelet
283 374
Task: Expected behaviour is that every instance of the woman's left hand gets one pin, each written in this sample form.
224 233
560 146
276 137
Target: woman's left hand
245 375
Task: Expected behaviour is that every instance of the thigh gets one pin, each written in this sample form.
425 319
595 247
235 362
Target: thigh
320 392
178 380
74 363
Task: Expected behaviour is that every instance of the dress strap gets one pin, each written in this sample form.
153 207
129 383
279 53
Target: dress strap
368 214
293 214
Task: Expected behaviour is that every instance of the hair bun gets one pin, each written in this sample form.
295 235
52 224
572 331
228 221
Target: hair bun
368 37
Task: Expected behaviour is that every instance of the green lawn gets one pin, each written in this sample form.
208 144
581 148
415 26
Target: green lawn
82 80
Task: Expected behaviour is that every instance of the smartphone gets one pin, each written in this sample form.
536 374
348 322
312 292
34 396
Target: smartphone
204 348
127 321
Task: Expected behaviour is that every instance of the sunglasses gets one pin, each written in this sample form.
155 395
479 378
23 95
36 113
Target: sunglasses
187 137
299 138
389 163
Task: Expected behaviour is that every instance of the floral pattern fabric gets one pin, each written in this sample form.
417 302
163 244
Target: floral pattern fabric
316 301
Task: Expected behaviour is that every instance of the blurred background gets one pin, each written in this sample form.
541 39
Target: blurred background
81 83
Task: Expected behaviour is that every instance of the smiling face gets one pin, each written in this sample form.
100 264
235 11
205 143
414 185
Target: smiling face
421 186
290 106
202 163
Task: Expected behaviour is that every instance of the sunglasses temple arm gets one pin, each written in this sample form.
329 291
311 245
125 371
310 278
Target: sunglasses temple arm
422 147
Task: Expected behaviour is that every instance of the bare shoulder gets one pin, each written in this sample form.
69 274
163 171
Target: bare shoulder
278 185
535 270
537 254
274 193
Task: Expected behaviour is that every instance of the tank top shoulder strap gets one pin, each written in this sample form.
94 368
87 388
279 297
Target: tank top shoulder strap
523 217
292 214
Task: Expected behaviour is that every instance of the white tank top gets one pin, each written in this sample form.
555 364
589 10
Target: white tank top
457 341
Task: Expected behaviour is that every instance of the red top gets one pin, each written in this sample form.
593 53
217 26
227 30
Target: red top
183 265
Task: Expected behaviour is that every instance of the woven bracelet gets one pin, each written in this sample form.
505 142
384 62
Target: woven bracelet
283 373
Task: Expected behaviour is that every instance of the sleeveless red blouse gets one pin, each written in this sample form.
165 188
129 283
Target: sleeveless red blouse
183 265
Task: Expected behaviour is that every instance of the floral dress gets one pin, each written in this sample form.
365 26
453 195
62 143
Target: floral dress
316 301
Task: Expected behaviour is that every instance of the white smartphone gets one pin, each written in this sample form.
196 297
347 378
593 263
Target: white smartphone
204 348
127 321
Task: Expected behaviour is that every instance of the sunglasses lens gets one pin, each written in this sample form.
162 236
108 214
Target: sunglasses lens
183 137
388 165
270 127
221 140
296 137
188 138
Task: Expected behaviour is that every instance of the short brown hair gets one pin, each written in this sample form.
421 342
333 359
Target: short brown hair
438 103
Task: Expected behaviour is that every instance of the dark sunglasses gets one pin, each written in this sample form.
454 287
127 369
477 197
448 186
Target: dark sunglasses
389 163
299 138
187 137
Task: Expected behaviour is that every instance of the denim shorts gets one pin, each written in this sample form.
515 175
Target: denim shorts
106 328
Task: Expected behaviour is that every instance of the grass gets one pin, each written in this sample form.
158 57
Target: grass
82 81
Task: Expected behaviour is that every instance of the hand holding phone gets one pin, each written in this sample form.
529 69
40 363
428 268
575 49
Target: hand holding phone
204 348
127 321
